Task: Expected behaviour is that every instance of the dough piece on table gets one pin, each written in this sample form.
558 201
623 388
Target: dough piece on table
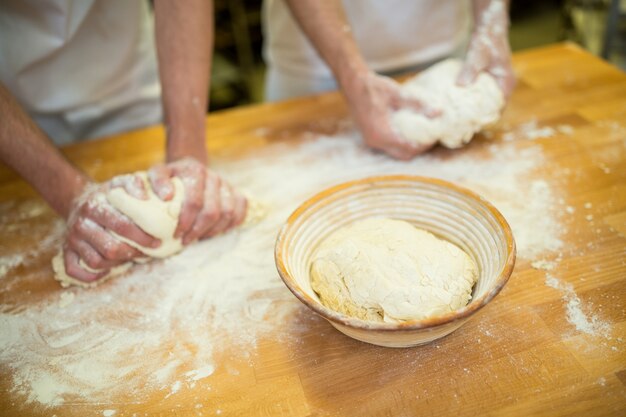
380 269
154 216
466 110
58 266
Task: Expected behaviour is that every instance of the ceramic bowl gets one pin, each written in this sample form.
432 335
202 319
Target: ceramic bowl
445 209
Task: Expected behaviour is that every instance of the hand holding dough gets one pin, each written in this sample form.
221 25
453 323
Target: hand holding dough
156 217
465 110
380 269
89 241
371 106
211 206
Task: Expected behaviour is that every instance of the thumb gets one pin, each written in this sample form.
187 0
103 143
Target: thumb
161 182
467 76
507 84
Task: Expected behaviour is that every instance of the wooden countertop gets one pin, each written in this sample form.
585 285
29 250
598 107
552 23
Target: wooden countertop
533 361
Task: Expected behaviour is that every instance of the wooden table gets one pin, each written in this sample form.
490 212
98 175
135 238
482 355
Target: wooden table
532 363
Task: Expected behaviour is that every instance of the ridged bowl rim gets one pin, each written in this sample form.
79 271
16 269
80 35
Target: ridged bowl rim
476 304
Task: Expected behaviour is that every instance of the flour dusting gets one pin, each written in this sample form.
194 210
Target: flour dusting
531 131
162 325
589 324
7 263
10 261
543 264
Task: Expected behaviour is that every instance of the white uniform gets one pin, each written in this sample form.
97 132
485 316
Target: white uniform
392 35
83 68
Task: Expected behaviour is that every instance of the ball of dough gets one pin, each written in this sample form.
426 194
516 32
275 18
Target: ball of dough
466 110
380 269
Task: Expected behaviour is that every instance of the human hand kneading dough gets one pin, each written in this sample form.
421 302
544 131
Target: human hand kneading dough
372 99
89 225
211 205
146 214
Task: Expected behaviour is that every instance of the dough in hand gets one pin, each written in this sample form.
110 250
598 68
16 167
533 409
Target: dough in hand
465 110
154 216
380 269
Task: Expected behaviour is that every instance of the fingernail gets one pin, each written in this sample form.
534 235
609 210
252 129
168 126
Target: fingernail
165 192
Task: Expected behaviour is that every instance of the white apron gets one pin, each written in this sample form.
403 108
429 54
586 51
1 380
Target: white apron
393 35
82 68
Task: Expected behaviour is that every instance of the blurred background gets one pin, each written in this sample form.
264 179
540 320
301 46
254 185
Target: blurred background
238 70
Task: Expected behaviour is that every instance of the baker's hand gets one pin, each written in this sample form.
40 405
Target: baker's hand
489 49
226 208
210 207
372 98
88 238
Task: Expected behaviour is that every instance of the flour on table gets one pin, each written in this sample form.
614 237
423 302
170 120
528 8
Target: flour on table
465 110
255 212
146 330
380 269
543 264
530 130
67 297
585 323
9 262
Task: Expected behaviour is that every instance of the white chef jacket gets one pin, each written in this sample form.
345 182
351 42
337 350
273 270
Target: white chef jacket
392 35
81 68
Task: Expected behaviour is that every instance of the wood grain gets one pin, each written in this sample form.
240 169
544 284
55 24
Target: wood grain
517 356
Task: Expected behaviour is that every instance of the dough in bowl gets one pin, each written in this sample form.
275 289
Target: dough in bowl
385 270
465 110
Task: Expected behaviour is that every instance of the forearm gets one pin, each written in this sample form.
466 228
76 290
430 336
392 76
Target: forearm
184 35
491 15
371 97
489 50
326 25
26 149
